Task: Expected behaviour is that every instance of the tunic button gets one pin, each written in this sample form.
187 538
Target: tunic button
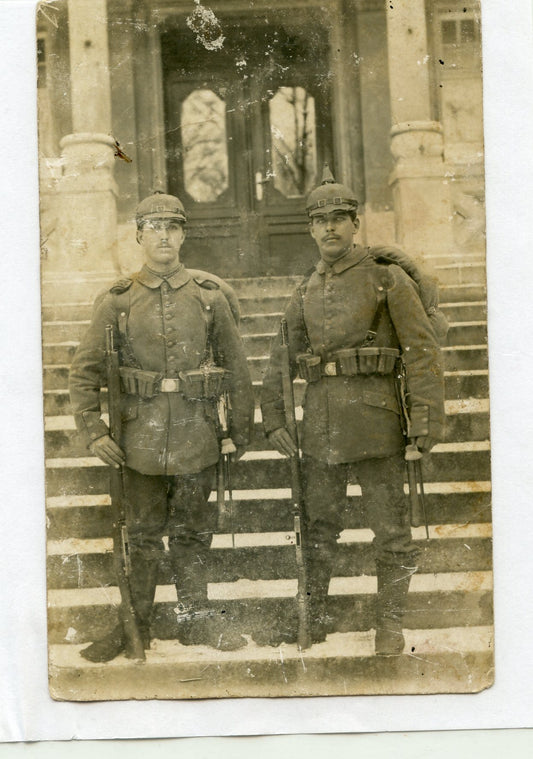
383 403
168 316
170 343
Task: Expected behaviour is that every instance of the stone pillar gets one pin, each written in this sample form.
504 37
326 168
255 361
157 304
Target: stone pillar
86 201
420 180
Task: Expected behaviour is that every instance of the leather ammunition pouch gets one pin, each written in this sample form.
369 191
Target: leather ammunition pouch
348 362
195 384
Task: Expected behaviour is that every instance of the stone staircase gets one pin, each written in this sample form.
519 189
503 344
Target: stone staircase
448 624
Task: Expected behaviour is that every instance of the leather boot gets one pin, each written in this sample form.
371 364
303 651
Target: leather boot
143 582
143 579
391 602
318 584
107 648
198 623
320 558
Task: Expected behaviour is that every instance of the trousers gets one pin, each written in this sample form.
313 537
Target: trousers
177 506
385 506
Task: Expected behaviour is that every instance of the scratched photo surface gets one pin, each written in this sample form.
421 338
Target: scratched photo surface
221 567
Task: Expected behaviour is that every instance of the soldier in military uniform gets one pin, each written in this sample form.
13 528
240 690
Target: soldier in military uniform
171 327
348 322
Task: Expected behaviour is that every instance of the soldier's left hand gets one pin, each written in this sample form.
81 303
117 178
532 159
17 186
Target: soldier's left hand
425 444
238 453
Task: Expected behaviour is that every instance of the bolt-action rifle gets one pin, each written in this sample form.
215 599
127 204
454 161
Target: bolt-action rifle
413 457
304 640
227 447
121 546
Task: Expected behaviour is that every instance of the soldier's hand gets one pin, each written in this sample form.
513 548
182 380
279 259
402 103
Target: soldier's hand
238 453
425 444
108 451
283 442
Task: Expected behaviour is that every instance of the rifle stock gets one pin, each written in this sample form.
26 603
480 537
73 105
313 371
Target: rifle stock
121 551
304 640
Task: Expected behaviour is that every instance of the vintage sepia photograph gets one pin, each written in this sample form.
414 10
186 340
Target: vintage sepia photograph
265 370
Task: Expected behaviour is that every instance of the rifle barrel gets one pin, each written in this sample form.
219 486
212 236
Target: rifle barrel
304 638
121 545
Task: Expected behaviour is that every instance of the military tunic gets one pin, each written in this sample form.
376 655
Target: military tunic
350 418
163 326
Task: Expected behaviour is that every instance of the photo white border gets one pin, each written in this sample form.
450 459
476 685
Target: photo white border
27 711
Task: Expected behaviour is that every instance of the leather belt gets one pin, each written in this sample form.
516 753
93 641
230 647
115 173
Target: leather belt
348 362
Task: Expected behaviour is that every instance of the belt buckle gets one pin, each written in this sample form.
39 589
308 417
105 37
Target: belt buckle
170 385
330 369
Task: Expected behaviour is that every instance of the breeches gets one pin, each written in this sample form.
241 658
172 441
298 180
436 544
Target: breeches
384 503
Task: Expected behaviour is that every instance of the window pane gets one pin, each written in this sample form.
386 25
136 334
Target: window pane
293 139
205 152
449 33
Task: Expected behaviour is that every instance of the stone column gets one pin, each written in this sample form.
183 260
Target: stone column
420 180
87 215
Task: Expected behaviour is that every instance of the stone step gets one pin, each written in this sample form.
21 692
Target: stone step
79 288
268 469
447 503
465 311
84 289
456 358
464 272
448 660
459 334
458 385
88 563
466 420
447 259
261 314
258 331
469 291
261 287
77 615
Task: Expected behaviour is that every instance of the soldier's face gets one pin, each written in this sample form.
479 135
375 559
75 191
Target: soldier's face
333 233
161 241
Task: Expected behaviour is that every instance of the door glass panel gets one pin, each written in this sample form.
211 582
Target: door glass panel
205 148
293 141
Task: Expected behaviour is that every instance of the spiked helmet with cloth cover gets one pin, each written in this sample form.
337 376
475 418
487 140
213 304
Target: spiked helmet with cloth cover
160 206
330 196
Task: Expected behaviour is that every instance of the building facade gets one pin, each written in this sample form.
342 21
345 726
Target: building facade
236 112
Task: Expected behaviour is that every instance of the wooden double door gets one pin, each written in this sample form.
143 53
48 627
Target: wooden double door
248 129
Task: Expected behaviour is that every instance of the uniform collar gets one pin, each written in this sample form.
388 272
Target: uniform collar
153 280
352 258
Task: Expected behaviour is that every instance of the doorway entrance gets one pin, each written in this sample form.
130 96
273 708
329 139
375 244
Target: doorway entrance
248 128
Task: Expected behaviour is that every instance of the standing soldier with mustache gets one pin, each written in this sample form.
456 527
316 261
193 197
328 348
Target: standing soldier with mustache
348 322
175 334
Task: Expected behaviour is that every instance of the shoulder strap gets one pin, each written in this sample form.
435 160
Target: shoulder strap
121 285
122 298
207 310
301 289
373 329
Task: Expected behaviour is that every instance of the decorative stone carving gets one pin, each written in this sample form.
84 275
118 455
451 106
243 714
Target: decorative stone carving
417 141
85 191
